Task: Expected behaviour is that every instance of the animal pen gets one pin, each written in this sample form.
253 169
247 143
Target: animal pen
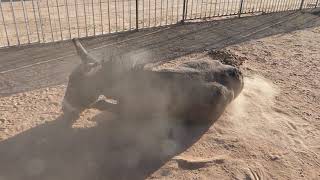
41 21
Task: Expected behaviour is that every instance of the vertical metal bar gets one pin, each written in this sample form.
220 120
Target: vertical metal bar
281 5
129 3
287 6
228 4
4 24
14 21
93 19
274 5
122 15
68 18
253 6
137 15
240 9
85 17
246 6
41 24
149 11
59 19
224 7
26 20
284 5
315 6
215 7
183 10
142 13
177 10
210 8
35 19
219 8
101 20
52 39
294 5
301 5
186 10
268 6
155 13
108 2
264 9
172 11
161 12
278 6
259 6
205 12
289 3
230 7
234 7
76 10
297 4
115 11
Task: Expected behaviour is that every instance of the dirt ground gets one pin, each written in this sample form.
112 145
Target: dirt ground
271 131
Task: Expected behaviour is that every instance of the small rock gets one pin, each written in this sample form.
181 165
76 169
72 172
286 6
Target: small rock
274 157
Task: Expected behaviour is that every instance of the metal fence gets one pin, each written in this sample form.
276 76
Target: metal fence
40 21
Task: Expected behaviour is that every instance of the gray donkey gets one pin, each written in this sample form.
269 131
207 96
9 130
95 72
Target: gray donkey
194 91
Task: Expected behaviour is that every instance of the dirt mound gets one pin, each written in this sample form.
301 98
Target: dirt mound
226 57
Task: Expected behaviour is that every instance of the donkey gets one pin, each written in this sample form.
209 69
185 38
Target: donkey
194 91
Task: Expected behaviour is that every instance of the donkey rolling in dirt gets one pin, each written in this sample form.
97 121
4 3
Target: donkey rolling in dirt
194 91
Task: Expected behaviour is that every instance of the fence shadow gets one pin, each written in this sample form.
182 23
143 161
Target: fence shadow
114 149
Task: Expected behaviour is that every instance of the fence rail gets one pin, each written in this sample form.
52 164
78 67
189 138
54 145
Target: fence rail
41 21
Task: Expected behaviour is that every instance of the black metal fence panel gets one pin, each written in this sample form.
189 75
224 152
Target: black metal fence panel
41 21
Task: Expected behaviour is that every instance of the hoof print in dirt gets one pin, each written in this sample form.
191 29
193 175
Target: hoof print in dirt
194 90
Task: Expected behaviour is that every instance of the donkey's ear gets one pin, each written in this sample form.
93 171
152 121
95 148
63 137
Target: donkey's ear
86 58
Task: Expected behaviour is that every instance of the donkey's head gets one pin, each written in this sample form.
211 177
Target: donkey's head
84 82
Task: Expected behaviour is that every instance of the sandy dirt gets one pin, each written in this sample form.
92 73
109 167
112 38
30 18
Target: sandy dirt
271 131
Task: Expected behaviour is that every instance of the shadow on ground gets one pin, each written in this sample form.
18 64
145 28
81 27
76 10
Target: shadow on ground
114 149
36 66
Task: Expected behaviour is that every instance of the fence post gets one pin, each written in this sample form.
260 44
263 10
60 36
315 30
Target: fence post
240 9
183 11
137 16
316 4
301 5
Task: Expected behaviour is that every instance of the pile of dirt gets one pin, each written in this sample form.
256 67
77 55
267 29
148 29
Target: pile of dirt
227 57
